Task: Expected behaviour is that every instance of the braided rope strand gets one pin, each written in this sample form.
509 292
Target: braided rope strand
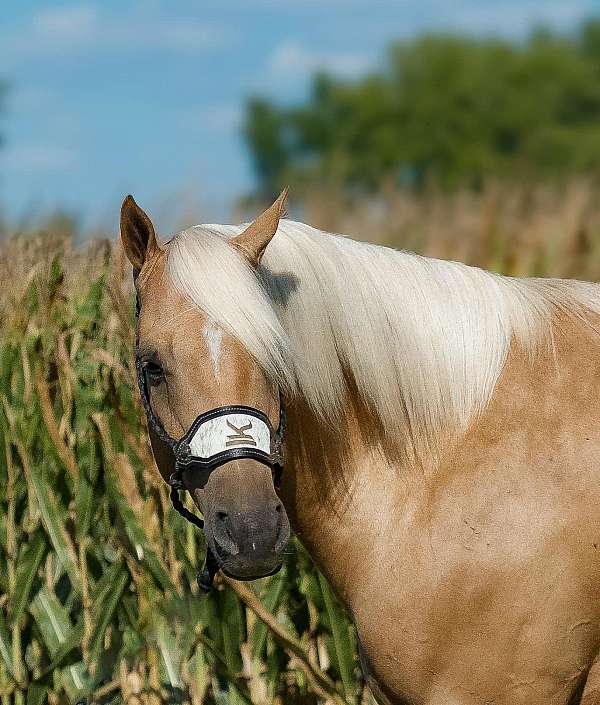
185 513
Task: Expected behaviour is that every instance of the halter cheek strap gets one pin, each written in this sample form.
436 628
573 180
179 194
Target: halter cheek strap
216 437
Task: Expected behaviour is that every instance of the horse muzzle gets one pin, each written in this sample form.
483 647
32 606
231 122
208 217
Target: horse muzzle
249 544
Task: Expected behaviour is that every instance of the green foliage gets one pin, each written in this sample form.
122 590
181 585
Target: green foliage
443 109
99 597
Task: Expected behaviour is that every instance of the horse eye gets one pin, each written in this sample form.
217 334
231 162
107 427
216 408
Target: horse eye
154 372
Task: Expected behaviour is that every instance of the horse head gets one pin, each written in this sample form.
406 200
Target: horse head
213 411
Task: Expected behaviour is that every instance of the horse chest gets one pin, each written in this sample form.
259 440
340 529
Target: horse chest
451 619
508 641
483 586
469 603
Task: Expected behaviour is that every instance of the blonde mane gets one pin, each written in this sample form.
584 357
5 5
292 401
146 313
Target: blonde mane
424 340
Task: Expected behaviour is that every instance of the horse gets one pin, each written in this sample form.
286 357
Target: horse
442 444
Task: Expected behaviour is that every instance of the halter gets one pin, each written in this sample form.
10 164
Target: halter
214 438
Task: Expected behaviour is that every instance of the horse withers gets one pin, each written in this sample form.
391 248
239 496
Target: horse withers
442 444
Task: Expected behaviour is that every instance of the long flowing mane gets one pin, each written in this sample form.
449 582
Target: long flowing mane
423 340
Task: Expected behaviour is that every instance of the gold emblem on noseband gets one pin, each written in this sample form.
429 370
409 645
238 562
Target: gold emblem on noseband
240 437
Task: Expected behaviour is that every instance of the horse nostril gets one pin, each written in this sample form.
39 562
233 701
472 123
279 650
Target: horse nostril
223 517
223 534
282 528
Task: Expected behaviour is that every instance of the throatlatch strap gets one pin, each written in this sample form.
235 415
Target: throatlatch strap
206 576
185 513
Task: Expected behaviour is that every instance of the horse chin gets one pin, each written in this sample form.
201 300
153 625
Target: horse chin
244 578
239 569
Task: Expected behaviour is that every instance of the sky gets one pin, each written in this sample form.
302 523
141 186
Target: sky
122 96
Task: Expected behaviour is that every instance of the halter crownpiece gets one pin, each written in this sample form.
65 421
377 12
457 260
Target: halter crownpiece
216 437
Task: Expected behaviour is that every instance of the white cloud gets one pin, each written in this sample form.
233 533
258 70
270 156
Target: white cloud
182 35
66 23
291 59
514 18
221 117
85 28
35 158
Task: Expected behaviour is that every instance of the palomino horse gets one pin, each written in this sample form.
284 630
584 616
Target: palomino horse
442 447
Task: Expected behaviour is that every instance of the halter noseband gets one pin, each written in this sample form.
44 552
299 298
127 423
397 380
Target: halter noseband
214 438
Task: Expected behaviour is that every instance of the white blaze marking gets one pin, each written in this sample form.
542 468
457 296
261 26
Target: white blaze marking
214 337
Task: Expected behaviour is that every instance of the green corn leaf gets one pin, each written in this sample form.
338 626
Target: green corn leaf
75 680
90 307
140 547
71 642
84 504
107 595
200 675
274 662
54 520
170 653
26 571
52 619
239 687
60 638
341 640
231 629
210 618
271 600
36 694
6 645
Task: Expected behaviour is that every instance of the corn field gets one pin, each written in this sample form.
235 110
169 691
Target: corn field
98 594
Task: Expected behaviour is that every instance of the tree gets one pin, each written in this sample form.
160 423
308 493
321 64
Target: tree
445 109
264 130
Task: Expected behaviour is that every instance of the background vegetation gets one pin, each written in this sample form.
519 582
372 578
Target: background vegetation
99 596
444 110
479 151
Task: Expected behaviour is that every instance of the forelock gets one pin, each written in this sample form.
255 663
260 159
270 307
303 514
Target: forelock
214 276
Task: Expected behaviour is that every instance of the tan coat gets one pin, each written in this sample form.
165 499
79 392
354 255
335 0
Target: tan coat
477 581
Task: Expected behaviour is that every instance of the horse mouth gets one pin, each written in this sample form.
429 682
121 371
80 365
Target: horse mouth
246 578
239 567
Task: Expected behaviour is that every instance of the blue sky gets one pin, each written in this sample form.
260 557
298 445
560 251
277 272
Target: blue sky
120 96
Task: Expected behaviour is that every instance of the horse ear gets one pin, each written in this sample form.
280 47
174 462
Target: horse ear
255 238
137 234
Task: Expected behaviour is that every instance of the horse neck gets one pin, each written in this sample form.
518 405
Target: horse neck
341 490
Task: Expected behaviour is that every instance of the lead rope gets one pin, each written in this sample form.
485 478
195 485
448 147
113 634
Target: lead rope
204 578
